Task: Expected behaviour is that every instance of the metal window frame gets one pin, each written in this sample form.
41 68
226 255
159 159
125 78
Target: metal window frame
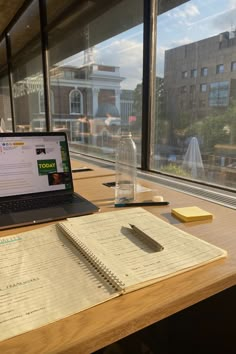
149 79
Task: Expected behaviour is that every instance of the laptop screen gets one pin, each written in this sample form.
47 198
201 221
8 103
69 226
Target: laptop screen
34 163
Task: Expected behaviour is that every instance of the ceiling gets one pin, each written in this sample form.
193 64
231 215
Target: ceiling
8 9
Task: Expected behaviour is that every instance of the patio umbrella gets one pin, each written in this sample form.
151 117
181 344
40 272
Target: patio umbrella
192 161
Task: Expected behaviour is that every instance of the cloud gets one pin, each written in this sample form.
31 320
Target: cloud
232 4
225 21
187 11
179 42
126 54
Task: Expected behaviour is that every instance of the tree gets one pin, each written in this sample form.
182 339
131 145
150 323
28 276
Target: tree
159 100
209 131
230 116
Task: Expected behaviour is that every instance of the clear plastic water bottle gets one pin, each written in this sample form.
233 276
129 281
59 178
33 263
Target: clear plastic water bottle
126 169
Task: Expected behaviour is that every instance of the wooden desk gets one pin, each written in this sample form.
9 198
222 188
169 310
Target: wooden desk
94 171
97 327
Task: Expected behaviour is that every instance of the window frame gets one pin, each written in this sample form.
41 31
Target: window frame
220 68
72 112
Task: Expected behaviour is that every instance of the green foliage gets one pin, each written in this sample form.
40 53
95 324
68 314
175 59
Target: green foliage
230 117
175 170
210 130
159 100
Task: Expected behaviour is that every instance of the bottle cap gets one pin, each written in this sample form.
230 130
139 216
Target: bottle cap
157 198
125 130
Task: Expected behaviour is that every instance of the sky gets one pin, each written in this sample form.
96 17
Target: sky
190 22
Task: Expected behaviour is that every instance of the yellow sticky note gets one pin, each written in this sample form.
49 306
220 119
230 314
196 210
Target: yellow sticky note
193 213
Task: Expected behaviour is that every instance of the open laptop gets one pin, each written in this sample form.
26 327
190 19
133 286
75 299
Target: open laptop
36 182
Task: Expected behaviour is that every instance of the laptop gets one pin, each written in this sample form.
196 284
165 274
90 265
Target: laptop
36 182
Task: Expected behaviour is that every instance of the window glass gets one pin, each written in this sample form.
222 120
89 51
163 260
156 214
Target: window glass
96 58
204 71
42 101
5 107
196 117
203 87
219 94
233 66
76 100
220 68
194 73
27 71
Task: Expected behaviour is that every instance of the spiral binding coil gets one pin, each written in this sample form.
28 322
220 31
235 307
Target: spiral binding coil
97 264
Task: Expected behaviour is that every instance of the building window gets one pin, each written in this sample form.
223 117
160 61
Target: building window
194 73
233 66
184 74
220 68
203 87
76 102
219 94
183 89
204 71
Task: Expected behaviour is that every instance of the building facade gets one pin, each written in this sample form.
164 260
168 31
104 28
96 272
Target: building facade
200 77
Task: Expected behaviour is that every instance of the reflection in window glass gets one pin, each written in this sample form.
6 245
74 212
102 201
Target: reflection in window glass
204 71
96 74
5 107
219 94
194 73
42 102
76 100
27 71
198 121
203 87
233 66
220 68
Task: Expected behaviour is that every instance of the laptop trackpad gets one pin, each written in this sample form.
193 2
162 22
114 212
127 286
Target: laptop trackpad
38 215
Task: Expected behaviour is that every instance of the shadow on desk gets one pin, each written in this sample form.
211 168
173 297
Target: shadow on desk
205 328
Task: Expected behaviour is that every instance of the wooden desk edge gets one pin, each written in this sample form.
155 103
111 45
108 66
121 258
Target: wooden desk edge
70 335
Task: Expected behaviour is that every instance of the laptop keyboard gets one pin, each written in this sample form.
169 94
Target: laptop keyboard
28 204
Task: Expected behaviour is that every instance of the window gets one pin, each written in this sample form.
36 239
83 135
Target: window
204 71
95 59
27 73
76 102
5 106
203 87
220 68
194 73
233 66
183 89
219 94
210 102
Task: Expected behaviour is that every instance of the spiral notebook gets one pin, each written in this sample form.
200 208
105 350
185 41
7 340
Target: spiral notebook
59 270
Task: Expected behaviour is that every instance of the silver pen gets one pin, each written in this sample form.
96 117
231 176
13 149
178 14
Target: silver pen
146 238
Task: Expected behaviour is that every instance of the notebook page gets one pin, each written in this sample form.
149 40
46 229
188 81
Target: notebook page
44 278
110 237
